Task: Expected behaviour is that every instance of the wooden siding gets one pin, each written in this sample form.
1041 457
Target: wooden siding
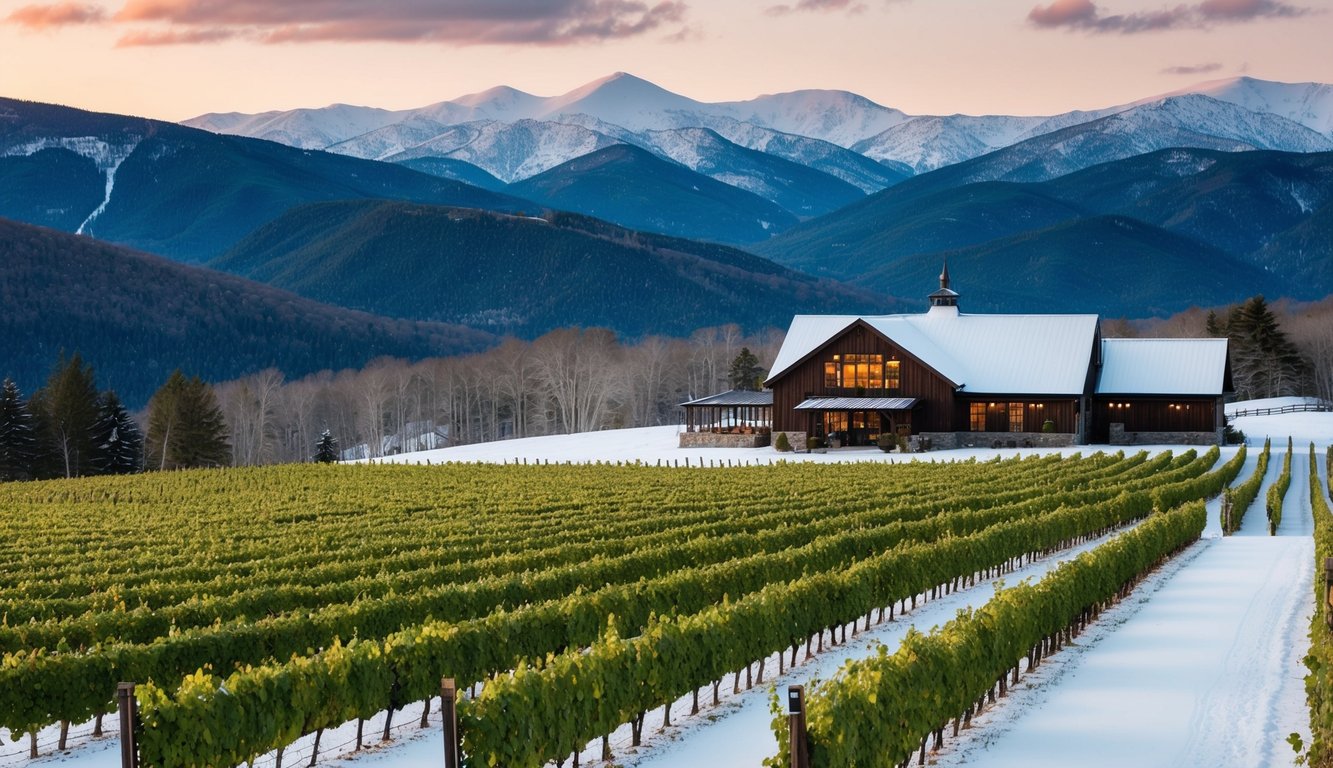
1062 411
1153 414
935 412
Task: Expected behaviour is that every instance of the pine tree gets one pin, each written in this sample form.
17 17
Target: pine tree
746 373
1213 326
326 450
18 437
1264 361
65 411
185 426
117 441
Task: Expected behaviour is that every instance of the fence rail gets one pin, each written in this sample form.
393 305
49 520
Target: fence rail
1319 406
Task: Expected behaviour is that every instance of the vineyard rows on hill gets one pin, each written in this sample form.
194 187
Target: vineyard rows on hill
254 606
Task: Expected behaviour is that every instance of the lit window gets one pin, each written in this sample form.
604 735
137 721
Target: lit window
977 412
892 375
1015 417
830 374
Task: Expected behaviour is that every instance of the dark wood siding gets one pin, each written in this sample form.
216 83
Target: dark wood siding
1153 414
1036 410
935 412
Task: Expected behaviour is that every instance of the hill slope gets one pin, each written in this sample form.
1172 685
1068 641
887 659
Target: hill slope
633 188
136 317
178 191
1257 208
523 275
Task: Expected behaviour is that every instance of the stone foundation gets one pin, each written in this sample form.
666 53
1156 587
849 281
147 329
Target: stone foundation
723 440
1120 437
797 440
943 441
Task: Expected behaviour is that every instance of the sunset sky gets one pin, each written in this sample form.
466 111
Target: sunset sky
174 59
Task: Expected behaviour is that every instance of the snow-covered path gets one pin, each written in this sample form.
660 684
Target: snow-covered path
1203 670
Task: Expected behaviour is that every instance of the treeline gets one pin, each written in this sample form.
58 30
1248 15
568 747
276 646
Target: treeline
70 428
1279 349
569 380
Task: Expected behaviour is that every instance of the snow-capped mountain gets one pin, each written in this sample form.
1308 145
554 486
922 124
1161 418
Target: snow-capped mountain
508 151
839 117
513 134
1179 121
1310 104
800 189
301 128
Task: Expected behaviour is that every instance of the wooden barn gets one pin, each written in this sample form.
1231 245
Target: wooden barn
946 379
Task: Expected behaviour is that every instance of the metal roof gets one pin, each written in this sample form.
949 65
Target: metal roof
857 404
1031 354
1163 367
734 397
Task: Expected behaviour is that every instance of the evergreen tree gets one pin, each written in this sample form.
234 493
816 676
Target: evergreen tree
116 439
1213 326
326 450
66 414
746 373
18 437
185 426
1264 362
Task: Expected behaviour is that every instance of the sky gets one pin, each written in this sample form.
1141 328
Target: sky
174 59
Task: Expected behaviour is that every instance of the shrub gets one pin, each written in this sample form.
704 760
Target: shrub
1048 426
886 442
782 443
813 442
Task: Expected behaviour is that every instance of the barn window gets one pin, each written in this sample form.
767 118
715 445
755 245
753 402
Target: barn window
830 374
1015 417
863 371
977 412
892 375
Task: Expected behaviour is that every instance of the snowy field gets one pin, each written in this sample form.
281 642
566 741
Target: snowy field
1201 667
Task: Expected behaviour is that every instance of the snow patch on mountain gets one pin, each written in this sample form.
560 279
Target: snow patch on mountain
839 117
302 128
105 154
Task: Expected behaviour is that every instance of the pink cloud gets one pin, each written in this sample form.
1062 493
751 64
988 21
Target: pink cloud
460 22
56 15
816 6
1087 16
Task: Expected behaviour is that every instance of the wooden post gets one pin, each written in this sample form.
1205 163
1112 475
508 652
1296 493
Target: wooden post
129 715
449 714
797 746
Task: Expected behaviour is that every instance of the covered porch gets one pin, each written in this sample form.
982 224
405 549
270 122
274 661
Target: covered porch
857 421
737 418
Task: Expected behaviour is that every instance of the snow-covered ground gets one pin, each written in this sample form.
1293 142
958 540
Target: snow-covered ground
1303 428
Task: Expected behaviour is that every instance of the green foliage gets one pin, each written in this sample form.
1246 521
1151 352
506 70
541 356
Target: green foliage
18 437
600 549
117 442
1319 681
745 372
1048 426
813 442
326 450
878 710
781 443
1264 361
1278 491
66 412
185 426
1242 496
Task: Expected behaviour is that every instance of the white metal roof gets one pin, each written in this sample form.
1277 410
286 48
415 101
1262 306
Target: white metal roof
1163 367
1020 354
857 404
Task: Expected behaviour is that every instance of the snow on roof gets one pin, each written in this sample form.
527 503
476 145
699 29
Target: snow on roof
1163 367
1028 354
